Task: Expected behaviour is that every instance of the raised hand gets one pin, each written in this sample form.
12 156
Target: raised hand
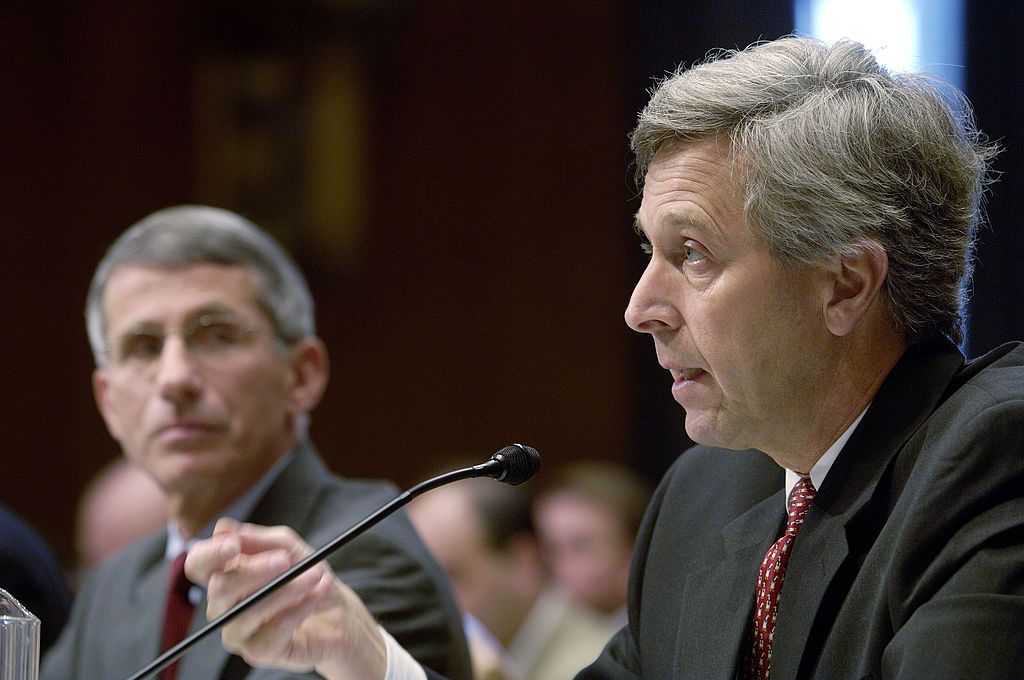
315 622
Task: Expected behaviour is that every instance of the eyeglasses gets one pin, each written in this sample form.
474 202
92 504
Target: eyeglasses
208 336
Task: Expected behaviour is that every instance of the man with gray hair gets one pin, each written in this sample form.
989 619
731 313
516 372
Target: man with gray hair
207 365
855 505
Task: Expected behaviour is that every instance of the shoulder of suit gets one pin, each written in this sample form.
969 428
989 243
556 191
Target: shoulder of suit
996 377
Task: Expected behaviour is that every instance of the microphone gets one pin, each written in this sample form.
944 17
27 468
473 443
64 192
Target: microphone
513 464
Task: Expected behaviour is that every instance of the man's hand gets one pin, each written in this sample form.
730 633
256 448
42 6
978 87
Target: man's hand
315 622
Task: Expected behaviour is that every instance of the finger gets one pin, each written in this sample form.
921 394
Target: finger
210 556
226 525
241 576
283 639
256 538
281 612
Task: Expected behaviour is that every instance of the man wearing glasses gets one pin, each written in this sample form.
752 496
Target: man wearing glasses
207 367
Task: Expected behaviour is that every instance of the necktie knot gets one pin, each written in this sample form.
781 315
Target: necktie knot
800 499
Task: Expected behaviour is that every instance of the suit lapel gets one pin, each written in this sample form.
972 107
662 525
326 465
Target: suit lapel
822 552
142 629
725 589
852 506
206 659
290 500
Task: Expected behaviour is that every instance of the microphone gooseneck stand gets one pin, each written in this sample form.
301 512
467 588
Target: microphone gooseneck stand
513 464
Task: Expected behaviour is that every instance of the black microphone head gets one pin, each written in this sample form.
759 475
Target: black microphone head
518 463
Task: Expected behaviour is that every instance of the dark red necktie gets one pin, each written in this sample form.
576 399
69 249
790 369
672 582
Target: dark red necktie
177 613
769 583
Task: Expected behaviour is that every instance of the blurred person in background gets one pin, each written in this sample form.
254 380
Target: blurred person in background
207 367
482 533
120 505
31 574
587 515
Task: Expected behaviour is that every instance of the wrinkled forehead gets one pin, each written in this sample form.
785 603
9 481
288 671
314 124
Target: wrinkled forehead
142 292
695 183
719 146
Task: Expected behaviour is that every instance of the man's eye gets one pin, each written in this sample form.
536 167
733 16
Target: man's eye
693 254
215 335
140 347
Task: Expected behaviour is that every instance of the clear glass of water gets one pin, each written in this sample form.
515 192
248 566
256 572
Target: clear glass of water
19 640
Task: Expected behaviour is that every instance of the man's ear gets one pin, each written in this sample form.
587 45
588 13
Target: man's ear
309 371
100 392
856 283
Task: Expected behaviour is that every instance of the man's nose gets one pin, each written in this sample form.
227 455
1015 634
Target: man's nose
177 370
650 307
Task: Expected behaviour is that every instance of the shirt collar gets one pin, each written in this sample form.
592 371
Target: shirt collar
820 469
239 510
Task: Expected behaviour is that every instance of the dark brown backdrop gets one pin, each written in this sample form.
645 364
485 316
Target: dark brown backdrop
475 299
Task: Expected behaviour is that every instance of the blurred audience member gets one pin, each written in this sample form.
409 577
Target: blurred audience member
29 572
119 506
587 516
483 534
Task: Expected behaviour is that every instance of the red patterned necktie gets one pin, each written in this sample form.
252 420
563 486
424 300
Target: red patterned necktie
769 583
177 613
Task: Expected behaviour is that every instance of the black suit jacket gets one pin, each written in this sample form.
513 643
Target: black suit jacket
116 619
910 562
29 572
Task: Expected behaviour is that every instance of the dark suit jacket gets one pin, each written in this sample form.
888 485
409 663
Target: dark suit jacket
116 620
29 572
910 563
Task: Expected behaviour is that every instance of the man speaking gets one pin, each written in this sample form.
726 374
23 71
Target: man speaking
855 507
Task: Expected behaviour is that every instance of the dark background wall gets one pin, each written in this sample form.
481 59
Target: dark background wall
995 85
454 178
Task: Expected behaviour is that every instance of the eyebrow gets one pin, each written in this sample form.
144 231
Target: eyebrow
674 220
684 220
148 326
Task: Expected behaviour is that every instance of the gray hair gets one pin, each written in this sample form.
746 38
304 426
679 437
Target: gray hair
190 234
834 152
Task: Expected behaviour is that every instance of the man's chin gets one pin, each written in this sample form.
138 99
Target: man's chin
178 470
702 429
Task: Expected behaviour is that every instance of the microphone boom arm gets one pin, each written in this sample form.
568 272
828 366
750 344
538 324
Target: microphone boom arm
495 467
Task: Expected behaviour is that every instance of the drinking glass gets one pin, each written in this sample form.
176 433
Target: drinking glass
19 640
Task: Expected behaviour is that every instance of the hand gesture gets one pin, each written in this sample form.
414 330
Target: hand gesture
315 622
